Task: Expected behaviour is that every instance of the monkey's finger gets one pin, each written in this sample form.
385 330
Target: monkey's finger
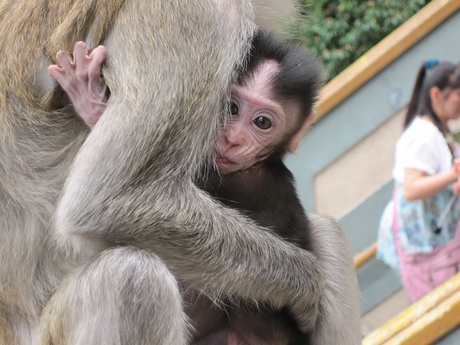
96 58
60 76
80 53
55 71
65 76
81 61
65 60
99 54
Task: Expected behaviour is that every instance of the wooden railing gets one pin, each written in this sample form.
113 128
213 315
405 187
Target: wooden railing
365 256
425 321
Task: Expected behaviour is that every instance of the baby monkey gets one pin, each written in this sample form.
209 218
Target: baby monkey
271 102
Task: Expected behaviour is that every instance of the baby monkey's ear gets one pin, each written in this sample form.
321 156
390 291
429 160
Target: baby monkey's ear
292 145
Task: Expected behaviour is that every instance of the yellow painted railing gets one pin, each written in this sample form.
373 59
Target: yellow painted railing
423 322
365 256
384 53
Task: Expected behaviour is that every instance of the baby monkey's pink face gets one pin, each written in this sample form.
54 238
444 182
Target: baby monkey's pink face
257 125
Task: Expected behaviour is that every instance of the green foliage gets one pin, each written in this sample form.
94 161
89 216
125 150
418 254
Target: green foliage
339 31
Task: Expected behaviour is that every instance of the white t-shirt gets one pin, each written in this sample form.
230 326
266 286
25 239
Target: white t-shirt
423 147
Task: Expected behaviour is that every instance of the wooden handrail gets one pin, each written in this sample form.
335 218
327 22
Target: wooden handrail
365 256
384 53
423 322
433 325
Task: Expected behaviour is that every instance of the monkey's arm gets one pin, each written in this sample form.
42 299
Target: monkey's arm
208 247
339 311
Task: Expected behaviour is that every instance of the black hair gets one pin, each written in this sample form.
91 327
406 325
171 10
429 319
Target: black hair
300 76
444 75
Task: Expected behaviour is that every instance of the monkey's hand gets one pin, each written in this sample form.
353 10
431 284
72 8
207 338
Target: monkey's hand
81 78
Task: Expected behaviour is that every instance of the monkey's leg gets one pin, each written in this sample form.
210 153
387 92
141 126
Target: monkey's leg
124 296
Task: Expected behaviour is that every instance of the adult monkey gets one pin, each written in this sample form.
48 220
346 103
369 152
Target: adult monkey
139 224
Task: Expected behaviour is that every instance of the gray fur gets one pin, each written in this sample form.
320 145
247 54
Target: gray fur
66 197
339 319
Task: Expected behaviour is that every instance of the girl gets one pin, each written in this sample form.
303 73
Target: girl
425 244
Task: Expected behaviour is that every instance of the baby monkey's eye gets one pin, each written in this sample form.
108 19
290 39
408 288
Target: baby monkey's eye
263 123
233 108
